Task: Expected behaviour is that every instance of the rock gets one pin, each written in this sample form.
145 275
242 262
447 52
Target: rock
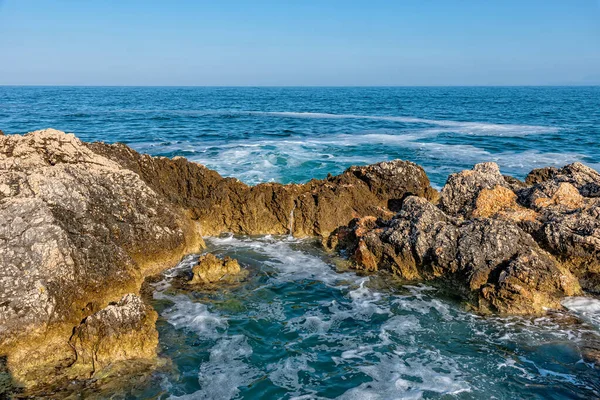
83 224
77 231
121 331
313 209
584 178
458 197
568 222
494 264
540 175
211 269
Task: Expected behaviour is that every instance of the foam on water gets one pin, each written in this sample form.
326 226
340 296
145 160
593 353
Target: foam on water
311 333
478 128
587 307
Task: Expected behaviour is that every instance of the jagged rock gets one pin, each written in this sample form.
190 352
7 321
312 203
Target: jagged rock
121 331
458 197
211 269
493 263
539 175
312 209
77 231
568 222
82 224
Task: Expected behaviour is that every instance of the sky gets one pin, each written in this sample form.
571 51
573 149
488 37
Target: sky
300 43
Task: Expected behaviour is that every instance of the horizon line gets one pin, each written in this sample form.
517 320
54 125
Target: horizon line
300 86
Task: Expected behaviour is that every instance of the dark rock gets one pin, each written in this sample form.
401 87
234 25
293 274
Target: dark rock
493 263
539 175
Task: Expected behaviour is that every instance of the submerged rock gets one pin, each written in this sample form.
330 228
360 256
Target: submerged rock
211 269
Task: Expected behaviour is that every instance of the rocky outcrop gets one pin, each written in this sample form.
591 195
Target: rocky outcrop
211 269
312 209
77 231
568 224
494 264
507 246
122 331
83 224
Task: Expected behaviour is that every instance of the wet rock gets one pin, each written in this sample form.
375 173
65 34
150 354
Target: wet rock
121 331
493 263
211 269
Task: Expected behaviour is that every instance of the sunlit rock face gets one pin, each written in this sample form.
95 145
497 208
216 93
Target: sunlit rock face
508 246
82 225
78 231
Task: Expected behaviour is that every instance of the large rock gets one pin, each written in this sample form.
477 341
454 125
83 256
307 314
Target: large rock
568 222
459 195
494 264
77 231
83 224
312 209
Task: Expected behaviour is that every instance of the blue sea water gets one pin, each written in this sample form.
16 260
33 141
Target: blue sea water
295 134
298 328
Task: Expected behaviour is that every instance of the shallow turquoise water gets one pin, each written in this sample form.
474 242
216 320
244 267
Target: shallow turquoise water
296 328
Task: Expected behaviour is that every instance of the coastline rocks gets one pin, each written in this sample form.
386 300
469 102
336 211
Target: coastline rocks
83 224
568 225
121 331
211 269
312 209
504 245
493 263
77 231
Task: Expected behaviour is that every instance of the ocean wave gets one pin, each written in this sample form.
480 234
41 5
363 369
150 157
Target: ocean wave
475 128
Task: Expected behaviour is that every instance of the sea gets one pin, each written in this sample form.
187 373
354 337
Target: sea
299 328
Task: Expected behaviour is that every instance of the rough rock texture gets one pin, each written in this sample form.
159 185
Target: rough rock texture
312 209
569 219
493 263
458 197
211 269
509 246
83 224
122 331
77 231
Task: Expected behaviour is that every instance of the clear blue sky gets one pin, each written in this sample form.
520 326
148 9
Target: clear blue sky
309 42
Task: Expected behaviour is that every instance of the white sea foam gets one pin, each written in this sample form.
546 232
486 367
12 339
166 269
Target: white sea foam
285 373
226 370
587 307
396 377
192 316
291 264
478 128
